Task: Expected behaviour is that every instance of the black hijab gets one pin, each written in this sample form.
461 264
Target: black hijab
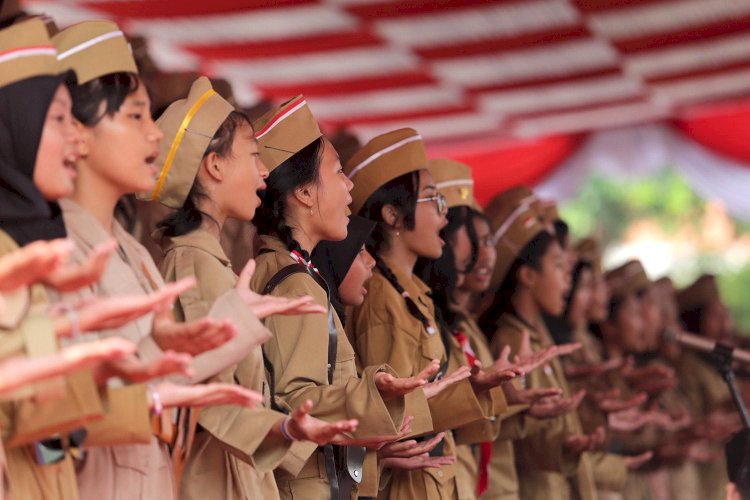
334 258
24 213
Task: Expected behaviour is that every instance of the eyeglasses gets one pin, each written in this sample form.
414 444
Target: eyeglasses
440 202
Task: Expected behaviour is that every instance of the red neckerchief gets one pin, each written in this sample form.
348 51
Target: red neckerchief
486 447
299 259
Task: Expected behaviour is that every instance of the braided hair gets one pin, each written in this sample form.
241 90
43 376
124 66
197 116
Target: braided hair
402 194
300 169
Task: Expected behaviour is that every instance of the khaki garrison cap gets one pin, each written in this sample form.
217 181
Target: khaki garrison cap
589 250
93 49
188 125
628 278
702 292
455 181
26 51
514 224
285 131
383 159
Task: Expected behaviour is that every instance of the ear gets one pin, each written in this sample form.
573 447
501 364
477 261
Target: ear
391 216
527 276
305 195
85 134
213 165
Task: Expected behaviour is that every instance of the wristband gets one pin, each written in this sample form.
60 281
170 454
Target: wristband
156 398
284 431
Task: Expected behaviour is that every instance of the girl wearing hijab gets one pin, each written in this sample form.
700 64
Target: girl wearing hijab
305 202
210 179
37 155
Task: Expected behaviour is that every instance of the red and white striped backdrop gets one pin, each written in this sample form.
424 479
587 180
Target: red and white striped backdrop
468 74
455 68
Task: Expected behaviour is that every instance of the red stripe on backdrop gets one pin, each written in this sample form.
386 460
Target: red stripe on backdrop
296 46
724 129
169 8
706 32
381 10
349 86
541 82
592 6
504 166
498 45
369 120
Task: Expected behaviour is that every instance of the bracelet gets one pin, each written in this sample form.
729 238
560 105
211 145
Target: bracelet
284 431
156 398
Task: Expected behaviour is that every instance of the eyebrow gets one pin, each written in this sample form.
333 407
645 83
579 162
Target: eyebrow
139 103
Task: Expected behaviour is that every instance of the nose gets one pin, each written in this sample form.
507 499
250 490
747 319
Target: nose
263 170
155 134
370 261
349 184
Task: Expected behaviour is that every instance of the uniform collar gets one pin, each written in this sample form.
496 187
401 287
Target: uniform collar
536 332
86 227
200 238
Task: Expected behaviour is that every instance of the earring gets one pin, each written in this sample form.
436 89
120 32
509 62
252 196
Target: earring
398 234
310 210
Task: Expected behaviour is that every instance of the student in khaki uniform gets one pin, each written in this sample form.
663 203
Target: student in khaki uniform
118 147
208 177
703 312
396 324
552 459
306 201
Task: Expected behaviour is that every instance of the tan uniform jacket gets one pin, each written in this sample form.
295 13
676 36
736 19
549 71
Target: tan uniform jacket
386 332
544 469
706 391
227 460
298 351
70 402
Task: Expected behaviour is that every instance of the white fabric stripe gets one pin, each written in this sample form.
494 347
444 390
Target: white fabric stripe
283 117
560 95
697 89
432 128
89 43
661 17
319 66
382 152
513 217
30 52
386 102
477 23
278 23
690 57
558 59
457 182
588 119
64 13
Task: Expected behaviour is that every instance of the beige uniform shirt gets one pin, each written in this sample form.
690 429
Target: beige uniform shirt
544 469
69 402
386 332
299 354
233 456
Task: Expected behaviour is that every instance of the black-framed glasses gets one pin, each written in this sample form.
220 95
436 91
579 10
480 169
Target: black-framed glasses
440 202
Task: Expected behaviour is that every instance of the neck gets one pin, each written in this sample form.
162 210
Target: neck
397 252
462 298
525 307
97 196
306 238
213 218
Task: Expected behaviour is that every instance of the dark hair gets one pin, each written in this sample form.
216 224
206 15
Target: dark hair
441 274
188 217
111 89
691 319
530 255
302 168
559 327
562 232
402 193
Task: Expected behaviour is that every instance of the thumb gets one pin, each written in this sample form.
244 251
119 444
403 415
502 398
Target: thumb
246 275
